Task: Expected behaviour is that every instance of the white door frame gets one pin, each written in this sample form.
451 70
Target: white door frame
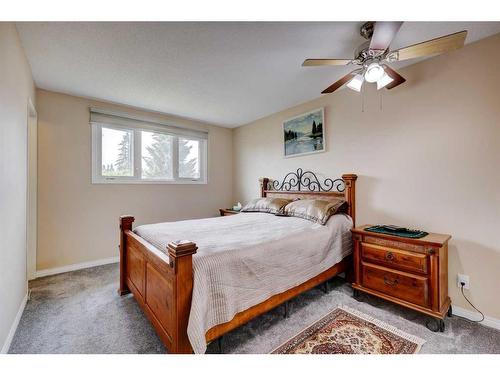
31 191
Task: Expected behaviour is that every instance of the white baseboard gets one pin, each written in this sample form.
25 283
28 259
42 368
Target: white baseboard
13 327
473 315
77 266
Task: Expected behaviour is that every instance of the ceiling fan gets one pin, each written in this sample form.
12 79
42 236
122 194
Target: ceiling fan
373 56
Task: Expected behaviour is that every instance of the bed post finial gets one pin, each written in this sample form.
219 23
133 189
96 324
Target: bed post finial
125 225
179 249
126 222
264 181
350 194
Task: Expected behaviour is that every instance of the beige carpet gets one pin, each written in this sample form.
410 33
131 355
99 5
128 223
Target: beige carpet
81 312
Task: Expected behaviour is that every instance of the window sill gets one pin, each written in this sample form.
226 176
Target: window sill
149 182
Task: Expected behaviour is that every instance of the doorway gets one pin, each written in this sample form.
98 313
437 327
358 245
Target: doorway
31 201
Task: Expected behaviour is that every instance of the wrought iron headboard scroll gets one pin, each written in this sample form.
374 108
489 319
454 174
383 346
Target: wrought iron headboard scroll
307 181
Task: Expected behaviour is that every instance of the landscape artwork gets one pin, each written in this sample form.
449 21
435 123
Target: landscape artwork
304 134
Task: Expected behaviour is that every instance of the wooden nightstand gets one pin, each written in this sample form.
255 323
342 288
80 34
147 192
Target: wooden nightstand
227 212
410 272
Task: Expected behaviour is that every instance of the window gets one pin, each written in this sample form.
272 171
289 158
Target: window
189 153
116 152
157 154
130 150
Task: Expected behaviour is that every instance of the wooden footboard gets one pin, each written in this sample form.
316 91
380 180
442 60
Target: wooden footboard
161 284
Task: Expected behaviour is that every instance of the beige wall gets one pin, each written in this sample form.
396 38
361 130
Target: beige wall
16 88
428 159
78 221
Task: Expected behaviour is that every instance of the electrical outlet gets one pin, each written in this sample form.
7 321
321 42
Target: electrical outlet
463 279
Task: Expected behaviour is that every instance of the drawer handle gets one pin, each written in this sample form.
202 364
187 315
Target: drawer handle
389 282
389 256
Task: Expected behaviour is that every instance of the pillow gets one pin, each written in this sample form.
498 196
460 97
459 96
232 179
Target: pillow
269 205
315 210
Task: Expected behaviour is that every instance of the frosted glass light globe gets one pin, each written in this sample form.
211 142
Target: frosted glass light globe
374 72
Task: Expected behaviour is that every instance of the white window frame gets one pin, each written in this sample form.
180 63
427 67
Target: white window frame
98 178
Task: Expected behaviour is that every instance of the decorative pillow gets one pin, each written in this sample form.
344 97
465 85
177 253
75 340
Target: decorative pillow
269 205
315 210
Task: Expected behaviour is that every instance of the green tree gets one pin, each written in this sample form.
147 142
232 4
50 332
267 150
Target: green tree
123 163
108 170
158 164
187 164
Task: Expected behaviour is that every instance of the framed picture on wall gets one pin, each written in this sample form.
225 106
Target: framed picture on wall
304 134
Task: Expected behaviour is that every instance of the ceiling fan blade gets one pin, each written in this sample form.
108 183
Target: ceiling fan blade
431 47
325 62
398 79
336 85
383 34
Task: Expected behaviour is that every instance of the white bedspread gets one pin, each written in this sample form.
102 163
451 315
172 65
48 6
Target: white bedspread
244 259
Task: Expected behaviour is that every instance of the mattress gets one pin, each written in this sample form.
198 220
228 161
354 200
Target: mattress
244 259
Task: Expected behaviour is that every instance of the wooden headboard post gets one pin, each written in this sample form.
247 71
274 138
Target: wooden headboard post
264 181
350 194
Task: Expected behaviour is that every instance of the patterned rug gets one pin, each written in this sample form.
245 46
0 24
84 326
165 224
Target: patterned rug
348 331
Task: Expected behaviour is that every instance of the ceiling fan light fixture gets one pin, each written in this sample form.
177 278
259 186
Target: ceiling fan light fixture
372 56
356 83
384 81
374 72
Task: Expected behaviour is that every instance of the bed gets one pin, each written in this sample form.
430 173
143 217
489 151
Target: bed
199 279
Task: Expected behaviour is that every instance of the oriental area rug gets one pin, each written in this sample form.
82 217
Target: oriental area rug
348 331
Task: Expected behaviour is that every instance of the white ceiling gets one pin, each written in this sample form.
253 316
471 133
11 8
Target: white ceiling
222 73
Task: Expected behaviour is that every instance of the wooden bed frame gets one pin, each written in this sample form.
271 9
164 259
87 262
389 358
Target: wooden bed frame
162 284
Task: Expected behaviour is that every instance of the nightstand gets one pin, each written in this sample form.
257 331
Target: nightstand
407 271
227 212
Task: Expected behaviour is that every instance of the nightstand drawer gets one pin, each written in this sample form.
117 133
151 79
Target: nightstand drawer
411 288
395 244
395 258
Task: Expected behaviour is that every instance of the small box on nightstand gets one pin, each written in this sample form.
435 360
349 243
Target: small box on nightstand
227 212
